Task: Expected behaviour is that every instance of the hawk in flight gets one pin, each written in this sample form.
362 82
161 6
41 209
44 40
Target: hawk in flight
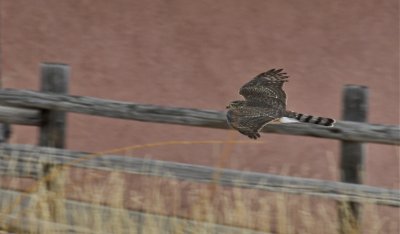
265 101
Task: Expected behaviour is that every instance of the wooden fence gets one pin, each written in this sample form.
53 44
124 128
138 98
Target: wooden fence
47 109
343 130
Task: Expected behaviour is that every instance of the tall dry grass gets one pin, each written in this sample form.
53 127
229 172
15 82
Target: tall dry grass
92 201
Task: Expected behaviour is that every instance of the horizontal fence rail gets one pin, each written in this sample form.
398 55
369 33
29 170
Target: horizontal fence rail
20 116
343 130
20 157
105 213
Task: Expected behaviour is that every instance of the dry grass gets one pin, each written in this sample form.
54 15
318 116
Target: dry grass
116 198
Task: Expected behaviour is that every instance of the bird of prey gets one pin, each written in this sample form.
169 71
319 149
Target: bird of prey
265 101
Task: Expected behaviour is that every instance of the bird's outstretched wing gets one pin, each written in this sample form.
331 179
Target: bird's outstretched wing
248 122
266 85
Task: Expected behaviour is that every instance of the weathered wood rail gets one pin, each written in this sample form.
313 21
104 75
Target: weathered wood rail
343 130
26 156
134 219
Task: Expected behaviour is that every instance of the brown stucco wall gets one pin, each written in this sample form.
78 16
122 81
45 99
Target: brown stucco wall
197 54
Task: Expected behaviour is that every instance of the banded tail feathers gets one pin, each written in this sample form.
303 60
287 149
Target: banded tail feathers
310 119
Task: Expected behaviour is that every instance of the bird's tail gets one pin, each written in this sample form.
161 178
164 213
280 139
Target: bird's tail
310 119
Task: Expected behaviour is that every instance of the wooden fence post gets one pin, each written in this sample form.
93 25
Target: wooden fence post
54 79
355 108
5 132
5 128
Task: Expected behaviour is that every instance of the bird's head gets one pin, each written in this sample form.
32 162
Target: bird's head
235 104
